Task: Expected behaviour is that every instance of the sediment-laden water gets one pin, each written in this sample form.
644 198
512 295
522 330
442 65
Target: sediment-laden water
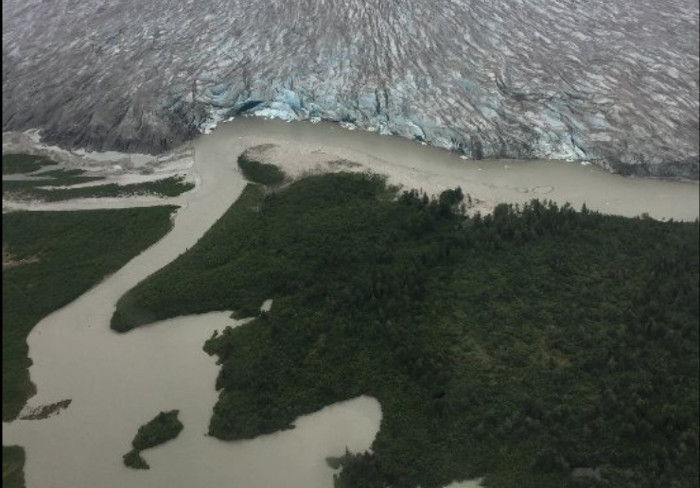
118 382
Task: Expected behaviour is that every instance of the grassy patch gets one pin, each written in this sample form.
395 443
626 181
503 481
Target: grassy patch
35 188
63 255
515 346
30 188
257 172
58 177
167 187
12 467
63 173
23 163
164 427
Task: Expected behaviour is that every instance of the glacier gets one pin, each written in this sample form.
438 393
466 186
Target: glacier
613 82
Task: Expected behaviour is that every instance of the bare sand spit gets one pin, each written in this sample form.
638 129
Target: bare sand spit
301 148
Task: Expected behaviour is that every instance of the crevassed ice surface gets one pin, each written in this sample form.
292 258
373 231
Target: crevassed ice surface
612 81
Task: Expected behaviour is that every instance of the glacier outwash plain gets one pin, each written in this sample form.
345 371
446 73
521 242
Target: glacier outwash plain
610 81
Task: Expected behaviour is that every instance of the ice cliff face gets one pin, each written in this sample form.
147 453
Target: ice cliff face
612 81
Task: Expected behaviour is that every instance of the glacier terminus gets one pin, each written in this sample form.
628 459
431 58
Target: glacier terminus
614 82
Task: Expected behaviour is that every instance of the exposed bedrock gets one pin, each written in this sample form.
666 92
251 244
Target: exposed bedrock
610 81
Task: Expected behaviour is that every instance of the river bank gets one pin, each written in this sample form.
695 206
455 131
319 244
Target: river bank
116 382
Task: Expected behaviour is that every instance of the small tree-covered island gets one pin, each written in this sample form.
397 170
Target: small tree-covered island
538 346
162 428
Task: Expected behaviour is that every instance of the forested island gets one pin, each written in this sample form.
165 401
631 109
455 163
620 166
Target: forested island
162 428
515 346
258 172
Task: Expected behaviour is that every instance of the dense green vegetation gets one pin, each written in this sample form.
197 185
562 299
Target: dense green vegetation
255 171
164 427
12 467
23 163
50 259
166 187
514 346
